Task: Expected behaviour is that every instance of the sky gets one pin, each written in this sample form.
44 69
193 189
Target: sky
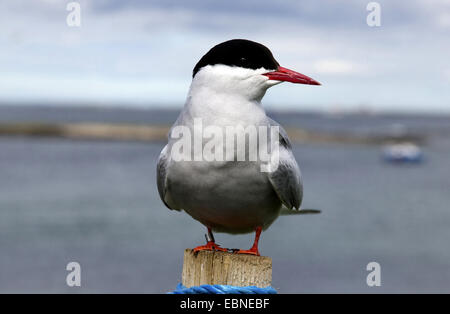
142 52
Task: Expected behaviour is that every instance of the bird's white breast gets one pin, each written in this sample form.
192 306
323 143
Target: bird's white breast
233 197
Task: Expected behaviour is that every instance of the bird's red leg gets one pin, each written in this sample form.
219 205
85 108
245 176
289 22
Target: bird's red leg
254 249
210 245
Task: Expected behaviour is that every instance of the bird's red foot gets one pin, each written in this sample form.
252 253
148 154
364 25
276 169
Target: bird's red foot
210 246
252 251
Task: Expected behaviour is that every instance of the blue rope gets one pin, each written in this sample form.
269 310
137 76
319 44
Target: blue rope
222 289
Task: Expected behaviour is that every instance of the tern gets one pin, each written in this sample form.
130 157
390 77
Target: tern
231 196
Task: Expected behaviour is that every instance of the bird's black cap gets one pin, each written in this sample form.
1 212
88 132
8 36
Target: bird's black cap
239 52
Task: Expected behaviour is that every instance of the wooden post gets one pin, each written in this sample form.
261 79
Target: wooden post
222 268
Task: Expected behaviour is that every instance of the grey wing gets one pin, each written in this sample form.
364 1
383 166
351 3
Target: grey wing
287 212
161 176
286 179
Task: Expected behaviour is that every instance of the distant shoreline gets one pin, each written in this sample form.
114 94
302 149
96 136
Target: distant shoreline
270 109
149 133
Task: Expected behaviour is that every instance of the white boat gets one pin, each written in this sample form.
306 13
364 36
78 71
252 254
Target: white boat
402 153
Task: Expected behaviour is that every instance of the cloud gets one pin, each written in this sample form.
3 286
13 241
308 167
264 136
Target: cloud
336 66
143 51
444 20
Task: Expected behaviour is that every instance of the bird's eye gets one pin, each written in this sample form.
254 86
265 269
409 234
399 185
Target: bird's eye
243 59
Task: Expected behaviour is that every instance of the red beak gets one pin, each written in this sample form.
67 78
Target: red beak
286 75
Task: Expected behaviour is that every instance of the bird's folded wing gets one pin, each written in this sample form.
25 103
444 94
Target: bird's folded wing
161 176
286 177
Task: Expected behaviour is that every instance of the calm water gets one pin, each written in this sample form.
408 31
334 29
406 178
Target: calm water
96 203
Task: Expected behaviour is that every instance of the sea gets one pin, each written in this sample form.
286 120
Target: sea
96 203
